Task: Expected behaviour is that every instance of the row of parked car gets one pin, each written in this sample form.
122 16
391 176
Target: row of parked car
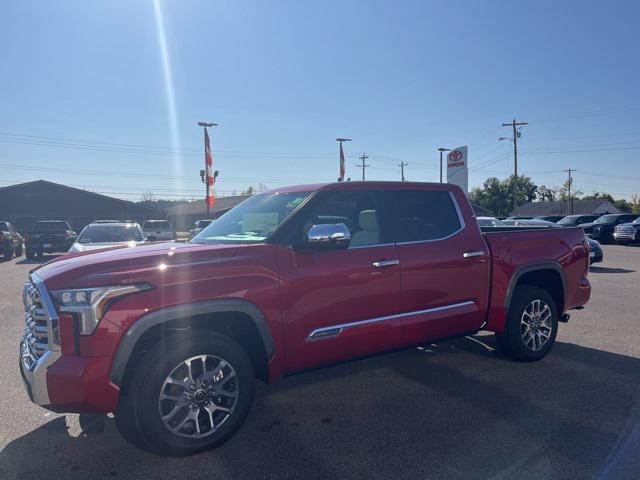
623 228
53 236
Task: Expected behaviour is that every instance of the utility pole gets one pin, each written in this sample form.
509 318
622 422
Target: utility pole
570 202
516 134
442 149
206 175
402 165
363 165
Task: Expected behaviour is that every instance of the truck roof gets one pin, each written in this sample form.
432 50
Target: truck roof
312 187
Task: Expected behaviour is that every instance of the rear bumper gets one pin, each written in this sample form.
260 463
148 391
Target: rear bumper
582 295
69 383
48 247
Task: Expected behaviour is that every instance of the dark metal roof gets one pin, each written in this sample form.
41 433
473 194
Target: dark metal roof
580 207
44 187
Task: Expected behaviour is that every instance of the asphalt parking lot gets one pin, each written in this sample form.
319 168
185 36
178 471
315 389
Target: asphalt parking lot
452 410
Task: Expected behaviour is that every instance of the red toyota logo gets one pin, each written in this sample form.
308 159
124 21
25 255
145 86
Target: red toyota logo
455 156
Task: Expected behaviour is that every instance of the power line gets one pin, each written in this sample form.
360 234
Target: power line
145 175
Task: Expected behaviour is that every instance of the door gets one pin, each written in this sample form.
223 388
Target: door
444 264
339 303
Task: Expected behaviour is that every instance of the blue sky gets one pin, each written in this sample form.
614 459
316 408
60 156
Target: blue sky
285 78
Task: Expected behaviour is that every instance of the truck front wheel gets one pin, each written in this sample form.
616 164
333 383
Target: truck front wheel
532 325
191 392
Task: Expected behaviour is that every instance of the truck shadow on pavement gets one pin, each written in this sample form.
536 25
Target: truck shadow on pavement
451 410
36 261
596 269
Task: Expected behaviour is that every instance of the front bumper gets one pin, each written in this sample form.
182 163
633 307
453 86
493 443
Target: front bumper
595 256
69 383
34 374
624 237
61 383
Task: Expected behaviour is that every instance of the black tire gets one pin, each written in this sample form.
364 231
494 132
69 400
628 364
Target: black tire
7 252
30 254
19 250
511 341
138 414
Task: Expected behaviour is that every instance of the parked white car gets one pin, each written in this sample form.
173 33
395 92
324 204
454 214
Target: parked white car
489 222
103 235
158 230
200 225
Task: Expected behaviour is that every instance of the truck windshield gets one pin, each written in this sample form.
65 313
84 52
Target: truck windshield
252 221
606 219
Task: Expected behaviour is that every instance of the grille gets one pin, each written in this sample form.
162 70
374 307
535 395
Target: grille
625 231
36 335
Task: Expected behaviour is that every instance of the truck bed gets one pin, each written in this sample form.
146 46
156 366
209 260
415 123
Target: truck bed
515 249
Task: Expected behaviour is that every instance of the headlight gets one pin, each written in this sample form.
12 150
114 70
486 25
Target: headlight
90 304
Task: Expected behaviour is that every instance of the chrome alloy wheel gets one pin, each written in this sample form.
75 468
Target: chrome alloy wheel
198 396
536 325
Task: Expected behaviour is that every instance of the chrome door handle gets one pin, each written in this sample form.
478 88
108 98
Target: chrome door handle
385 263
478 253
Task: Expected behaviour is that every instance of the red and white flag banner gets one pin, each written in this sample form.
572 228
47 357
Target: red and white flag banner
208 157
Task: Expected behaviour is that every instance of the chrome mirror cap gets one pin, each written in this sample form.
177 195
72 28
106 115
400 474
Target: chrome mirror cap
334 235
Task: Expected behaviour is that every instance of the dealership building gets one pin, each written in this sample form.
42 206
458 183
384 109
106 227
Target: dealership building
184 216
596 206
25 203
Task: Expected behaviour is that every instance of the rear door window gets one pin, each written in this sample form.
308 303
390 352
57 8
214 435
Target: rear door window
423 215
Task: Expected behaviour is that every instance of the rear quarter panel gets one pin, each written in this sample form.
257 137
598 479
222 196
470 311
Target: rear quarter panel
513 251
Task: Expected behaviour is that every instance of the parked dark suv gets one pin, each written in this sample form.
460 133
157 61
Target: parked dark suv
10 241
602 229
49 236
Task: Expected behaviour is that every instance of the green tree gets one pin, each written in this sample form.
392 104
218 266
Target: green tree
497 195
564 191
548 194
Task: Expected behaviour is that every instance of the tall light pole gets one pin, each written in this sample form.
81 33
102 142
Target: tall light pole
442 149
342 162
516 134
206 175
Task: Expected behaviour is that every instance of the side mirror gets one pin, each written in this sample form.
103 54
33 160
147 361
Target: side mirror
151 238
335 235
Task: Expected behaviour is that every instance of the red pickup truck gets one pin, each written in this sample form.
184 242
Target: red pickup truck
170 336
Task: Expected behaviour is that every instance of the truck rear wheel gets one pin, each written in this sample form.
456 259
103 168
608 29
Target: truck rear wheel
532 325
190 393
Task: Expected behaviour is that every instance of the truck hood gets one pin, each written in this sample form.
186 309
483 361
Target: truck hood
86 247
154 263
